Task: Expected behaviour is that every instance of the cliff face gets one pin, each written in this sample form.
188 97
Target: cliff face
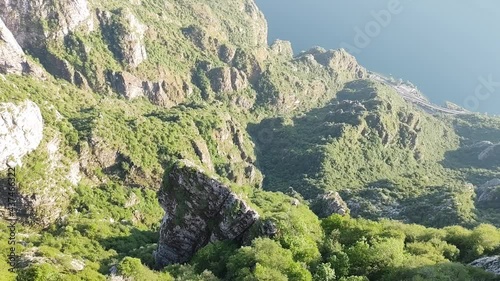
21 131
12 59
199 210
33 22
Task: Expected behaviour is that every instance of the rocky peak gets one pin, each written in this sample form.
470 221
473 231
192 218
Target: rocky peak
338 60
12 57
21 131
282 47
198 210
32 22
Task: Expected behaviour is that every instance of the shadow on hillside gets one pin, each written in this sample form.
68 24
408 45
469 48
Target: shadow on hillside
291 151
289 154
477 138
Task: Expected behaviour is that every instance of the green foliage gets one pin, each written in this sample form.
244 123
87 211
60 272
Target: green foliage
214 257
264 257
132 267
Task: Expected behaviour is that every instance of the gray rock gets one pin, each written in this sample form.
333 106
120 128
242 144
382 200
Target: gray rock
161 93
489 153
283 48
25 19
12 58
201 149
60 68
126 84
329 203
490 264
488 195
226 53
338 60
227 79
132 42
199 209
128 44
21 131
268 228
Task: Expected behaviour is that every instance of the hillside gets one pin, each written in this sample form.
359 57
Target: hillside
167 140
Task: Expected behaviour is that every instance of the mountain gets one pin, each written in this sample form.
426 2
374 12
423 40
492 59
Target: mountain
167 140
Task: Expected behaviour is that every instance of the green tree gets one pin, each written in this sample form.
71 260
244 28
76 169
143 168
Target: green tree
324 272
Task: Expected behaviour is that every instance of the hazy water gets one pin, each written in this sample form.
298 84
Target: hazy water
444 47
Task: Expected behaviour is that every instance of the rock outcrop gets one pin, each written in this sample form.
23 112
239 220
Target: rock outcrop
12 58
126 35
490 152
488 195
21 131
329 203
338 60
166 93
282 48
199 210
490 264
227 79
27 19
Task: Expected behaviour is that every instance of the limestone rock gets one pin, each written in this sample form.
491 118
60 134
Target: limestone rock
201 149
226 53
329 203
126 84
125 34
338 60
132 42
12 58
283 48
227 79
166 93
490 264
490 153
26 19
488 195
199 210
21 131
60 68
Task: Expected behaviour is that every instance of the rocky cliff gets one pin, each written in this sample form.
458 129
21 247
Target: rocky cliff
21 131
199 210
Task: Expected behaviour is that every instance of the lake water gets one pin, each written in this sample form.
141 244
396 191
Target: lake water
449 49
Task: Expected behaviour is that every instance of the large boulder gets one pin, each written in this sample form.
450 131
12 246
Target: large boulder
21 131
488 195
328 204
490 264
199 209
